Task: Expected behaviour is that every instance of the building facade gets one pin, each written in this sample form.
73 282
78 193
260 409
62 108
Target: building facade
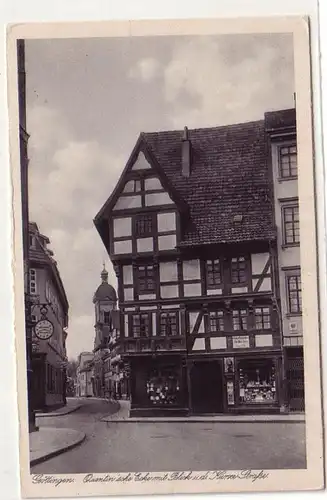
282 146
106 374
84 375
49 301
191 231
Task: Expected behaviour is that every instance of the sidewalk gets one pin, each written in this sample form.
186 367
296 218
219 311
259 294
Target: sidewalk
73 404
49 442
123 416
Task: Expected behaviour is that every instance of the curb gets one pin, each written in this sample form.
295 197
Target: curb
59 414
193 421
55 453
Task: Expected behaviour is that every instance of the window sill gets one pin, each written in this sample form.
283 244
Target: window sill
290 178
290 245
294 315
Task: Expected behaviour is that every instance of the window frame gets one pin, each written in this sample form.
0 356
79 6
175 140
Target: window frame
137 219
146 289
240 314
261 315
213 267
292 206
217 317
237 260
140 316
169 314
289 154
291 275
32 281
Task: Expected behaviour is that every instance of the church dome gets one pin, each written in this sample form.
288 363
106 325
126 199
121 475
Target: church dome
105 291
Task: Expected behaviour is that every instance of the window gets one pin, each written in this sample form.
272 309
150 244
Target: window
262 318
106 317
146 279
288 162
132 186
294 294
32 281
291 225
143 225
240 319
238 270
168 324
216 321
213 273
140 325
32 240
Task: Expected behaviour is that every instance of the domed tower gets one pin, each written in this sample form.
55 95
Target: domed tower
105 301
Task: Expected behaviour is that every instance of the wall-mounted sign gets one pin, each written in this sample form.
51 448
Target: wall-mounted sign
43 329
229 365
241 342
230 392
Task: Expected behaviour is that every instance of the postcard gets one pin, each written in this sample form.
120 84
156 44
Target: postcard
166 284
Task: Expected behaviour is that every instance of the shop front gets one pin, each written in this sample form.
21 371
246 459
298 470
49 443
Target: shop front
158 385
235 384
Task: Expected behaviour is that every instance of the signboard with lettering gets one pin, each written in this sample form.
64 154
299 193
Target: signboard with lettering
241 342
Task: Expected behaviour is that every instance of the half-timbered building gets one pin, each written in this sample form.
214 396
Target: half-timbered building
191 234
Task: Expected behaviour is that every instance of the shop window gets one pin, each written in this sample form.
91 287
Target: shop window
238 270
216 321
288 162
240 319
146 282
141 325
291 225
213 272
294 291
257 382
163 386
262 318
168 324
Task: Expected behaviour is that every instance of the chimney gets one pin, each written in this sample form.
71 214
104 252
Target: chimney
186 154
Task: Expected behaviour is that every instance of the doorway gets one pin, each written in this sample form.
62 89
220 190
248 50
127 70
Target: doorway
206 387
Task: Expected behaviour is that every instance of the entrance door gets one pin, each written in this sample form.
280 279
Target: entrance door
206 387
295 375
39 381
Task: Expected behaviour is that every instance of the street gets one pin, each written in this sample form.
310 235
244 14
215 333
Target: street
124 447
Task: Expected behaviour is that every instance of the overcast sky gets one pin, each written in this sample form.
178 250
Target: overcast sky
87 102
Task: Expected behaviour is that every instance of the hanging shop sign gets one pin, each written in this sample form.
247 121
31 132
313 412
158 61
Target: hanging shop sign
43 329
241 342
230 392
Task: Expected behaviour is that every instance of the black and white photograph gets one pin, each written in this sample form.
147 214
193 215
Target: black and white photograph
162 235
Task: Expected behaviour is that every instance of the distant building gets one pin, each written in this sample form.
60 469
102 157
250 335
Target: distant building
84 375
194 232
49 301
106 375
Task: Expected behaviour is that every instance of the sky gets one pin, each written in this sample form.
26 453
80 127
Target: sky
87 102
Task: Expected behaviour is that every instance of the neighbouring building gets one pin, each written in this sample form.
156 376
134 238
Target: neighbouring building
84 375
106 374
192 232
49 301
282 146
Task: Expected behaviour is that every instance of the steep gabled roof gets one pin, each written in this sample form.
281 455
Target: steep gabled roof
229 177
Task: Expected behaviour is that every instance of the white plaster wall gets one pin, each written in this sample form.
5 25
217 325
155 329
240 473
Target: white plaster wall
192 319
126 325
132 186
125 202
154 324
122 227
258 262
152 183
169 291
265 285
191 270
218 343
123 246
141 162
199 345
157 199
128 275
167 242
166 221
240 289
211 291
264 340
144 245
168 271
128 294
192 289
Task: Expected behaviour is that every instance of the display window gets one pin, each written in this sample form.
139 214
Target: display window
257 381
163 386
